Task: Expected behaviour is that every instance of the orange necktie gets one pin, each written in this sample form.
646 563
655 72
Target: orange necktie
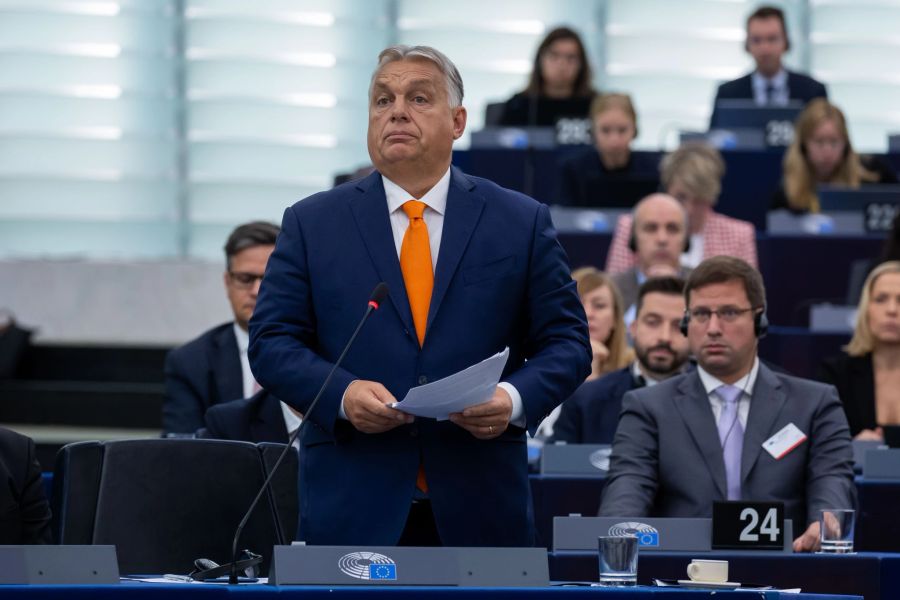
415 262
418 276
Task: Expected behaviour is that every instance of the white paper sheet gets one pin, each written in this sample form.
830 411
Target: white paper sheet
456 392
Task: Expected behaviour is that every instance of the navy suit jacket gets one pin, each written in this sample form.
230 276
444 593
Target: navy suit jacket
501 279
800 87
204 372
255 419
591 414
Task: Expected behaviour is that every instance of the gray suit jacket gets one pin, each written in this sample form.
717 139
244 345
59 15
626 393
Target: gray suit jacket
667 459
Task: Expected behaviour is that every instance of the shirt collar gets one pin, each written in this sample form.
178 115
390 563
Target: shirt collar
435 198
745 383
243 338
778 81
640 375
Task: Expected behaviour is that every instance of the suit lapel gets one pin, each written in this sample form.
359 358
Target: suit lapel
373 223
463 210
692 402
227 368
765 406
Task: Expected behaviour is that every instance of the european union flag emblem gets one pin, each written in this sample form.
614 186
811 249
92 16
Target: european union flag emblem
382 571
647 538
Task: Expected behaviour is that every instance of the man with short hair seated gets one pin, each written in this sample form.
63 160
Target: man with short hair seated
659 235
770 84
214 368
698 438
591 414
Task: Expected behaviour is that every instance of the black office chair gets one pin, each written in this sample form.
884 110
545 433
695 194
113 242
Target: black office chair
166 502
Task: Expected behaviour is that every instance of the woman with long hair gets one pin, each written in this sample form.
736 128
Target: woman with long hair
559 85
821 153
867 374
606 328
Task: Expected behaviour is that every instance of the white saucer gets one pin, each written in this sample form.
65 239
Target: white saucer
708 584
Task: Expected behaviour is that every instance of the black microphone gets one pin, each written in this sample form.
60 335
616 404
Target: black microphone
375 299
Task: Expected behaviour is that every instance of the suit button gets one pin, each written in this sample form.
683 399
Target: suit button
422 380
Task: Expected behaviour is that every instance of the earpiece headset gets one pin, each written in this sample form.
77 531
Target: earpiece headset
206 569
760 323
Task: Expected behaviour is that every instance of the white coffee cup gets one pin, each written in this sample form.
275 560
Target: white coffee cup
713 571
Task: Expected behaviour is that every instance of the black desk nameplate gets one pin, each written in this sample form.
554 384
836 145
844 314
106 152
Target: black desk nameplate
72 565
390 565
748 526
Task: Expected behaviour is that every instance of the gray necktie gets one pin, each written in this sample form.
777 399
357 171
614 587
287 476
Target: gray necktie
770 93
731 436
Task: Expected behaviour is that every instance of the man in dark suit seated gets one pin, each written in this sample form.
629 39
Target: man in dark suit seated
699 437
213 368
591 414
24 510
770 84
260 418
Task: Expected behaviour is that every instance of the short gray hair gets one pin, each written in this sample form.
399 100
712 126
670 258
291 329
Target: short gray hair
446 66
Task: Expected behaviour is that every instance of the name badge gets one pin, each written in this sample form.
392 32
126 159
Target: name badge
784 441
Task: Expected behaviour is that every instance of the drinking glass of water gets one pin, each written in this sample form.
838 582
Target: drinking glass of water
618 560
836 530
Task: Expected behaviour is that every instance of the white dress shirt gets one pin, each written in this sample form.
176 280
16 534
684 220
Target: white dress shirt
435 201
243 342
780 93
745 383
291 423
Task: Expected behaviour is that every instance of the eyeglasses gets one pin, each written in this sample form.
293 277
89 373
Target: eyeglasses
244 280
727 314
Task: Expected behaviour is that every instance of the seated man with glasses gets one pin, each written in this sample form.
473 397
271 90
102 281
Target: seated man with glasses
214 368
699 438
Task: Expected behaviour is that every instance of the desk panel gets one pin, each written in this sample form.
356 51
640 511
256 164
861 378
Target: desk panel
875 576
877 527
264 592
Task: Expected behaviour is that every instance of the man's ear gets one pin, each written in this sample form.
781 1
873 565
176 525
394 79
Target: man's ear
459 121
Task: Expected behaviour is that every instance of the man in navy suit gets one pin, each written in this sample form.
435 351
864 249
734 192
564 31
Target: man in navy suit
591 415
214 368
370 474
770 84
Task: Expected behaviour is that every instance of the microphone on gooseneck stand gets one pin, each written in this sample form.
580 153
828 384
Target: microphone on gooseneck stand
377 297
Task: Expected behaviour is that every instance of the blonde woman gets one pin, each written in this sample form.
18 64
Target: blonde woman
614 126
603 307
821 153
867 375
